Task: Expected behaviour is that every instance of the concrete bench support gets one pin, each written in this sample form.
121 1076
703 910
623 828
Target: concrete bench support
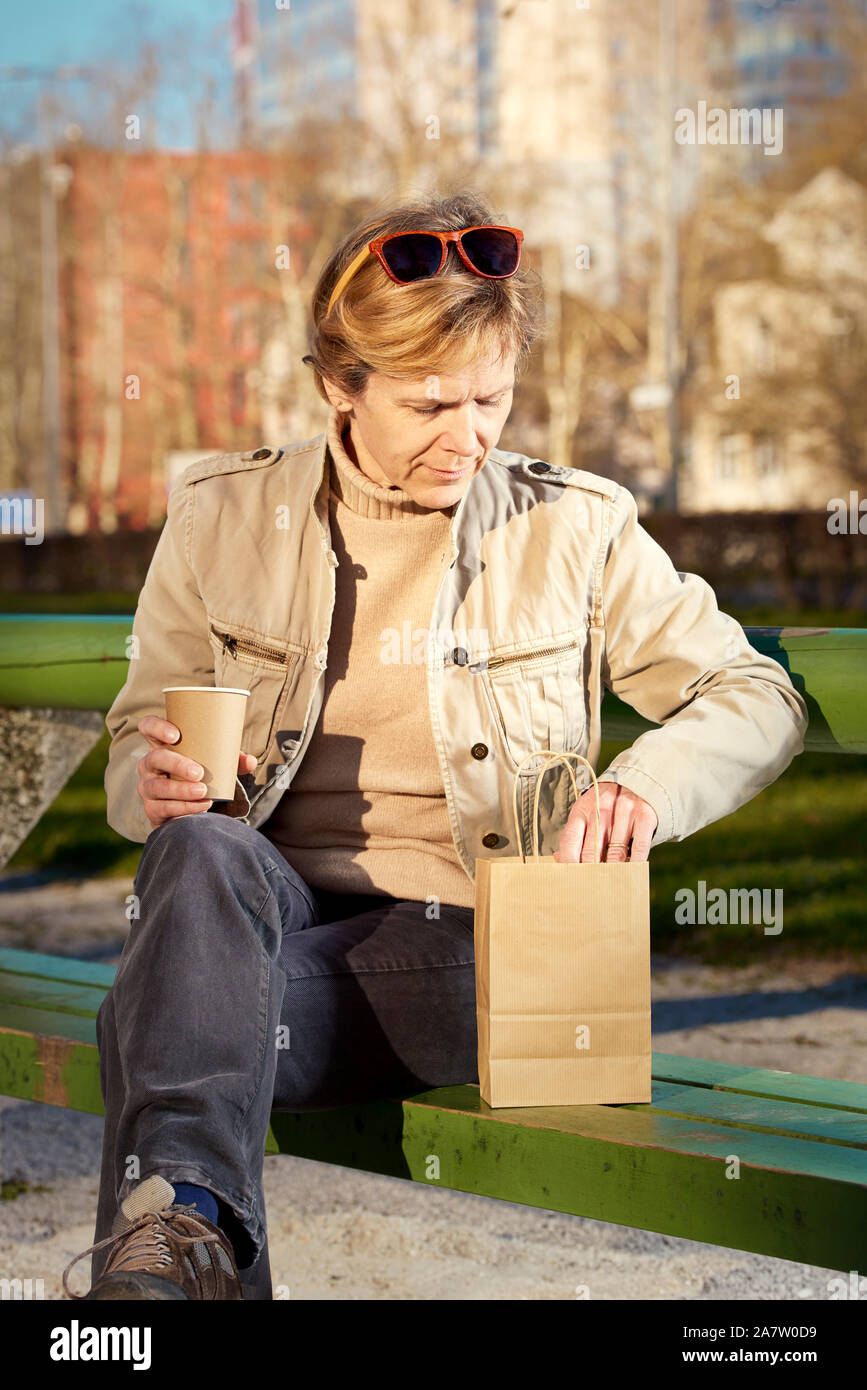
39 751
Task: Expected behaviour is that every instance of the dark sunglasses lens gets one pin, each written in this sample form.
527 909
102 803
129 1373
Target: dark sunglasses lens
413 255
491 250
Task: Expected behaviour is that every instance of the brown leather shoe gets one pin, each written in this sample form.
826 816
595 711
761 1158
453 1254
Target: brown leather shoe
163 1250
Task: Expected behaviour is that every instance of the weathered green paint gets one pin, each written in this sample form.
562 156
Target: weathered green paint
45 967
47 658
58 996
643 1126
54 1069
755 1081
818 1122
42 1023
651 1183
62 662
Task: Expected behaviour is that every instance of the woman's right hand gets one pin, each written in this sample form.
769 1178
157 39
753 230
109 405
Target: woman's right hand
168 781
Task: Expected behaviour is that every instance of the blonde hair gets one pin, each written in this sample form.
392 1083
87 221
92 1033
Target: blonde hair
427 327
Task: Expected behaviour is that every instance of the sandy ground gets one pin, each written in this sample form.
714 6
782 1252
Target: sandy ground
339 1234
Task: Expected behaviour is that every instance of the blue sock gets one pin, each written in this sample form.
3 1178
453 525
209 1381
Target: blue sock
206 1202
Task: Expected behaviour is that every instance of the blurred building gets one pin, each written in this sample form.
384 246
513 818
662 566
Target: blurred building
558 100
786 54
178 339
781 393
167 291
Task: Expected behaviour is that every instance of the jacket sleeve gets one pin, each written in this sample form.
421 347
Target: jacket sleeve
731 719
170 647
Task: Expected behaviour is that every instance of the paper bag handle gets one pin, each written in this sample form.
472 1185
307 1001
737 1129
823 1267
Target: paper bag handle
555 757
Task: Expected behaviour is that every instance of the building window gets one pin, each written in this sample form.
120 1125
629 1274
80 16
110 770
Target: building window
237 396
236 319
728 453
767 455
766 348
184 199
239 262
844 342
257 200
185 315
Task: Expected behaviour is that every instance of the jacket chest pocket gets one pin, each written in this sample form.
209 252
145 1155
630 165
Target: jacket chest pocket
537 697
263 668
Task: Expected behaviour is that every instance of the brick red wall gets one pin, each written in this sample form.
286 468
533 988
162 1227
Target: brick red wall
183 246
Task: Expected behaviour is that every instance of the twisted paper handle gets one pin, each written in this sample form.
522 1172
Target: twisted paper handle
555 757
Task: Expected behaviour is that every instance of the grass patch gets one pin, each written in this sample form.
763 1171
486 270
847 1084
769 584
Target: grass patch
92 602
124 601
13 1187
802 835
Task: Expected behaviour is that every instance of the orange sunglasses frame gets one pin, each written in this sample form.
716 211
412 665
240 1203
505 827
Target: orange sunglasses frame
375 248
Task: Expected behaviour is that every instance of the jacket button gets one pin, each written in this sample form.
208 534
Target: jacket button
459 656
539 467
491 840
261 454
479 750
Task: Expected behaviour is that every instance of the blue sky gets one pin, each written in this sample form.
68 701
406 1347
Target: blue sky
192 45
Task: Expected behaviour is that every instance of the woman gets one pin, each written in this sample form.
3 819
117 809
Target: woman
413 610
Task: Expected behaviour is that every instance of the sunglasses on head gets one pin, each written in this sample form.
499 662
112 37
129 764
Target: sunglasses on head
493 252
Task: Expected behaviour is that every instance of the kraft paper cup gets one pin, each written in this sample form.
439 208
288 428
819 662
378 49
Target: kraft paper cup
211 723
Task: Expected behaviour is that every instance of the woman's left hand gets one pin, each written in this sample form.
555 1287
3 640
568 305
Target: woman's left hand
624 817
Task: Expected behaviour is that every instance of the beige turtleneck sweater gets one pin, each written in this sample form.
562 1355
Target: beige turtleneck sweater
366 811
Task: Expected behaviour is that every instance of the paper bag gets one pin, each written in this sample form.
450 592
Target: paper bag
562 974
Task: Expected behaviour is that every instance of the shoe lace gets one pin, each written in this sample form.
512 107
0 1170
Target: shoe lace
147 1244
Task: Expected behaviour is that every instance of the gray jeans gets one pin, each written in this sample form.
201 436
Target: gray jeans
230 950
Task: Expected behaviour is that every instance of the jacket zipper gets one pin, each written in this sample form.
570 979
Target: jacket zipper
236 646
529 656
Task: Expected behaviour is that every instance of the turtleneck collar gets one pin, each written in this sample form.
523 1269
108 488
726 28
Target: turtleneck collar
353 487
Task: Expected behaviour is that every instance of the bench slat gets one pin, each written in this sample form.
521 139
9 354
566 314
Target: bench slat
55 996
780 1085
50 1077
644 1126
41 1024
44 967
816 1122
667 1066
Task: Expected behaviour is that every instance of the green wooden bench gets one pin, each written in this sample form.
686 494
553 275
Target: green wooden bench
767 1161
800 1141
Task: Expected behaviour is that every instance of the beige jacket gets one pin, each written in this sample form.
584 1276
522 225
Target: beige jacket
551 589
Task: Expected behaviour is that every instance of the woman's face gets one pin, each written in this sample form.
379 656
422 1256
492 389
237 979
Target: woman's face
431 436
